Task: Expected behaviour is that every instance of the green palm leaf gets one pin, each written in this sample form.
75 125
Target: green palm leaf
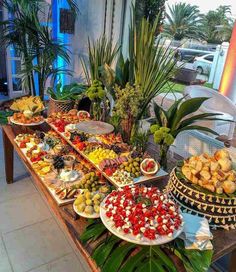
102 252
117 257
132 263
193 260
93 232
166 261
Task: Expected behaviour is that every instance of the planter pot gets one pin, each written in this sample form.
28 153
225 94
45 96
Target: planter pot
59 105
186 75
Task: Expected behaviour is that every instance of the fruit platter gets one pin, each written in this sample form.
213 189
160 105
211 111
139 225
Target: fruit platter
115 159
27 111
62 170
141 215
62 119
206 185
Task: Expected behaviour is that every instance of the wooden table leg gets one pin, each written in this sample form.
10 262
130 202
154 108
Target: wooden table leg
232 262
8 157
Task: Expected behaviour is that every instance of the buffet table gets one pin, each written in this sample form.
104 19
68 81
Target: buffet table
224 242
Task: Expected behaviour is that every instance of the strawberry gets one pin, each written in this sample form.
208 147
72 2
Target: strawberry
22 145
81 146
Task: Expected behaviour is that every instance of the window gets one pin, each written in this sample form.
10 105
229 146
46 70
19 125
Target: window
209 58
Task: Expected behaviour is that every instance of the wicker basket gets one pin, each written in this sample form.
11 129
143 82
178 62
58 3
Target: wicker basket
55 106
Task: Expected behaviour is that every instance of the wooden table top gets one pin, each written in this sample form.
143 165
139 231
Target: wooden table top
224 241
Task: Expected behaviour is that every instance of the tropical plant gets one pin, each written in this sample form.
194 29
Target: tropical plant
33 42
128 101
181 116
154 63
72 91
124 73
100 53
113 252
4 116
217 25
140 140
149 9
183 21
115 120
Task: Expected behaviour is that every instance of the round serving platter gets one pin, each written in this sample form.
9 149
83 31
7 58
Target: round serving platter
132 238
23 124
94 215
95 127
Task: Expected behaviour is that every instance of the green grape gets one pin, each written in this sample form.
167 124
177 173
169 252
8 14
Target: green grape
154 128
169 139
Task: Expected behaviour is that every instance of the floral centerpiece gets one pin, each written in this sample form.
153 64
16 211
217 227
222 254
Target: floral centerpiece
96 94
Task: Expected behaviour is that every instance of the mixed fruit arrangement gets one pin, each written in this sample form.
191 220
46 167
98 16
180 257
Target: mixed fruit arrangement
110 155
61 119
143 212
63 170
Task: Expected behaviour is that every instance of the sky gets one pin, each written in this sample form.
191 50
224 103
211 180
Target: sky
206 5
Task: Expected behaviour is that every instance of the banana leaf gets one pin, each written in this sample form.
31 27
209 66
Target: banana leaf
193 260
165 259
113 253
102 252
117 257
93 232
132 263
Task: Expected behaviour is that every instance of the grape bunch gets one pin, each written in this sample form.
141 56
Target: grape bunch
58 162
40 134
116 149
136 154
81 136
162 135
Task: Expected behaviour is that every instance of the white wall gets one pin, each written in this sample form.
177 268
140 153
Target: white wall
96 17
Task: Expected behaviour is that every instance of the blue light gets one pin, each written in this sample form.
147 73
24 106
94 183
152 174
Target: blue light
64 38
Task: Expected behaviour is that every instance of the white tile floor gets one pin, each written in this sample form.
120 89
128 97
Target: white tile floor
30 238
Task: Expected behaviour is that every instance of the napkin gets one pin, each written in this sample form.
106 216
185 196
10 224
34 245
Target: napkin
196 233
200 245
